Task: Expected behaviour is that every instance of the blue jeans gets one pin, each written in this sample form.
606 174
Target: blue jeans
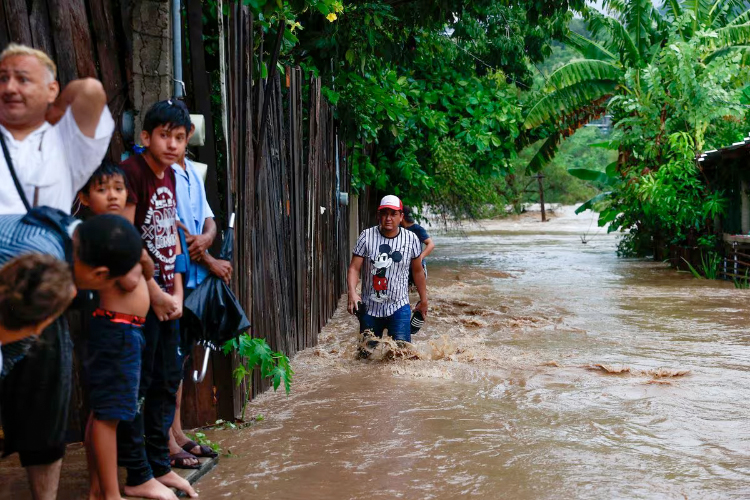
113 368
398 324
143 444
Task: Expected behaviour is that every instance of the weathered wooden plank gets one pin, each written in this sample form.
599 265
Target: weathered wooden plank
4 28
17 19
295 139
40 28
60 13
198 400
111 57
84 48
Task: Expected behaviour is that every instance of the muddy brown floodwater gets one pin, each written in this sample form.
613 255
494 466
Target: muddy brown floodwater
551 369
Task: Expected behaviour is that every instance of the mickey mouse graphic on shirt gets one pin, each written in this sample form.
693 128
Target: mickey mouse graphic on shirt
383 260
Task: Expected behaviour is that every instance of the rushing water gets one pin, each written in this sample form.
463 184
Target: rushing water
518 394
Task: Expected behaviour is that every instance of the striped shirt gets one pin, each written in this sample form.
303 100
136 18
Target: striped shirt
385 287
18 238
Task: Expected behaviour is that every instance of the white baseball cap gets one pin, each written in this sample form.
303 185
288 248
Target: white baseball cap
392 202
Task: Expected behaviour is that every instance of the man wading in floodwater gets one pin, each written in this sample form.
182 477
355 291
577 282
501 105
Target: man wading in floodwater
388 252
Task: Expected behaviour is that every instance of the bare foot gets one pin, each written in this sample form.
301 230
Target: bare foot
94 492
174 481
150 489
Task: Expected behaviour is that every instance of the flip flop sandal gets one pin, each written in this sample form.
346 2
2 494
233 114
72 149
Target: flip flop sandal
206 452
178 460
417 322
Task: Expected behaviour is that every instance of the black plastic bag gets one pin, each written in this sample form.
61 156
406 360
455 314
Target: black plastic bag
213 311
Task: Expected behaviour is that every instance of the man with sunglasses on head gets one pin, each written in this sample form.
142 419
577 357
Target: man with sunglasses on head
388 252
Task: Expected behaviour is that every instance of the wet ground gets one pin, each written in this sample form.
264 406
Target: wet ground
550 369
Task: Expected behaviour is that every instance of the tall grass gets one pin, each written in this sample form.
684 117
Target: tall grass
743 283
709 266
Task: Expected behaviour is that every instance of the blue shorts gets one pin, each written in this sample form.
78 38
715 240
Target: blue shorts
398 324
113 367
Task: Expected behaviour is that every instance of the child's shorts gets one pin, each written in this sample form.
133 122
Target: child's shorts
113 364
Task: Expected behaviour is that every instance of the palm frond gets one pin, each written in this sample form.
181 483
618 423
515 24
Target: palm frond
734 35
568 100
588 48
545 154
701 9
744 49
722 12
581 71
638 17
717 9
676 7
616 8
618 38
639 22
742 18
661 22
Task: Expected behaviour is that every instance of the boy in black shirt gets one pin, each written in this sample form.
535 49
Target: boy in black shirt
424 238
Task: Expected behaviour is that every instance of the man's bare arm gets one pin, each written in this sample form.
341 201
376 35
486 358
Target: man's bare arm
429 248
86 99
352 278
198 244
421 282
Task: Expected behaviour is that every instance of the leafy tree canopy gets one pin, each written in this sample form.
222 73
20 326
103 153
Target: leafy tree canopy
428 92
671 79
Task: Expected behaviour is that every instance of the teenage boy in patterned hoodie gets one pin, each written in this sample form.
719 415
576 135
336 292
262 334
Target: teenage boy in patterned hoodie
142 444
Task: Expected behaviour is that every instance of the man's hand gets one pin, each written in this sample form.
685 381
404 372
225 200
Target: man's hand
219 268
422 307
352 306
55 112
197 245
164 305
177 313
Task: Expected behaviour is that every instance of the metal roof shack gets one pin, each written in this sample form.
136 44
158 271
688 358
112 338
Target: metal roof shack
728 169
737 154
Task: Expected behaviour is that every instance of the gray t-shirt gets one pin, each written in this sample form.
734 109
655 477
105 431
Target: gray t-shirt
385 286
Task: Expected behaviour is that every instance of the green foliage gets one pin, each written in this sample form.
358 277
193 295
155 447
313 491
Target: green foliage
574 154
200 438
743 282
581 71
679 74
256 353
709 267
429 93
561 102
439 135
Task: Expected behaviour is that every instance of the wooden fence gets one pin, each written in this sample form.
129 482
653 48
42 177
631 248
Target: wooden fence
286 167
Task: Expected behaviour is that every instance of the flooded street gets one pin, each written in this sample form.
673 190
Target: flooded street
551 369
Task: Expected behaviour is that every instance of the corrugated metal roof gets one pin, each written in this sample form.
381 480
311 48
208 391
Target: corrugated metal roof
715 156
